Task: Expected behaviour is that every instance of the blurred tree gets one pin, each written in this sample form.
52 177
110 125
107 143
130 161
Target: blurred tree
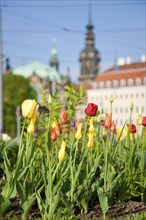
15 90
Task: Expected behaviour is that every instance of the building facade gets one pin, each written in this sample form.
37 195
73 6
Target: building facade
127 84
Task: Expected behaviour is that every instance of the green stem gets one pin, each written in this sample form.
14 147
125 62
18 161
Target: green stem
106 160
85 131
21 137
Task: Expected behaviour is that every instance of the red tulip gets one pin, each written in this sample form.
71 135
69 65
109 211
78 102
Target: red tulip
132 128
59 128
53 134
113 127
144 121
108 120
91 109
63 117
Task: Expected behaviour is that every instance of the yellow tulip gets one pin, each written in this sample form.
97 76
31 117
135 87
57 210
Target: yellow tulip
30 128
90 140
61 154
78 134
139 120
91 127
29 108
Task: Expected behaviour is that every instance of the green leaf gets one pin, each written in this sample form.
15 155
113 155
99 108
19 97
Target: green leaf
21 191
103 200
28 203
142 163
5 204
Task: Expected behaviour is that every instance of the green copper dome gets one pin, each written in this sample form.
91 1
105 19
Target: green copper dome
43 71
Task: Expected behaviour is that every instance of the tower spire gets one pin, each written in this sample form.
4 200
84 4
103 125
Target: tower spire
89 13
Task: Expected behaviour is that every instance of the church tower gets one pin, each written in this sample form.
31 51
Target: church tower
89 57
54 62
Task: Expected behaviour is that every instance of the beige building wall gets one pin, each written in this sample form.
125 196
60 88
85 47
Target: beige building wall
123 97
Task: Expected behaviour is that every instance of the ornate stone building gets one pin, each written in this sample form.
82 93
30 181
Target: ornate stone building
89 57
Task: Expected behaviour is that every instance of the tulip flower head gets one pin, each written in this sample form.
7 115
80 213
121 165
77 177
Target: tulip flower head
91 127
63 117
90 143
61 154
108 120
53 134
139 120
30 128
144 121
132 128
78 134
29 108
91 109
113 127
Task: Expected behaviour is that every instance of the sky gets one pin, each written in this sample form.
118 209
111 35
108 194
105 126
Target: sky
29 26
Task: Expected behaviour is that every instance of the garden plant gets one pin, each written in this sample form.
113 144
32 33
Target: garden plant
68 164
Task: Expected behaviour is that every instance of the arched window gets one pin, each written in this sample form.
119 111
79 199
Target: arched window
101 84
130 82
138 81
115 83
108 84
122 82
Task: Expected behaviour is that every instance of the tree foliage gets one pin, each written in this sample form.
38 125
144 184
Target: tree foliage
15 90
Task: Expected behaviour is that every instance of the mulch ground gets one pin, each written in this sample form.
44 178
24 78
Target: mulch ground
117 211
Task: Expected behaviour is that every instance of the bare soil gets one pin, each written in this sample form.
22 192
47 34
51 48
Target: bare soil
117 211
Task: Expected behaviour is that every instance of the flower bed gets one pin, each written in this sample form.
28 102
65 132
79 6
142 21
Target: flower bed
66 164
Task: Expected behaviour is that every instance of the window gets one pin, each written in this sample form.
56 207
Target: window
95 85
144 80
138 81
142 109
130 82
108 84
126 109
101 84
115 83
122 82
137 109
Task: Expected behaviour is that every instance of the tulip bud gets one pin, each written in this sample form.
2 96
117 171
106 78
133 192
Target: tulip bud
90 143
131 106
30 129
49 99
111 99
61 154
91 127
78 133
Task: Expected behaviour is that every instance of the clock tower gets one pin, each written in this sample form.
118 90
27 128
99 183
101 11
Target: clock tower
89 56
